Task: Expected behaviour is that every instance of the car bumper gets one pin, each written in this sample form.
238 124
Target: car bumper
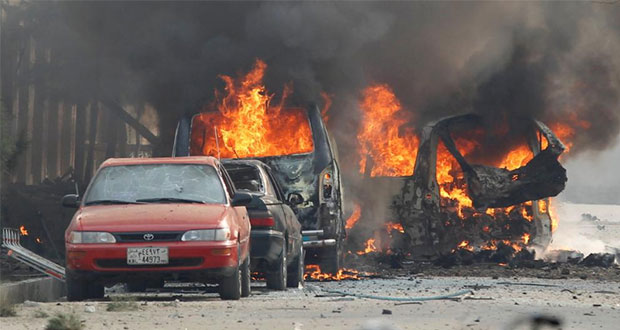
266 245
182 256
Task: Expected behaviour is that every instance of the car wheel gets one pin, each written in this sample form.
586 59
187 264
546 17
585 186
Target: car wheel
230 287
96 291
296 272
246 278
276 277
77 290
333 259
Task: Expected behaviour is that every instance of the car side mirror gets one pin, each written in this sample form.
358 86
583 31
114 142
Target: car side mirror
71 200
241 199
295 198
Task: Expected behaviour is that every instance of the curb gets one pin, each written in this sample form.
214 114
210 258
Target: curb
38 289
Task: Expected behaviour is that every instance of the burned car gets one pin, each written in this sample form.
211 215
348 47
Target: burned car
506 201
476 186
312 172
276 245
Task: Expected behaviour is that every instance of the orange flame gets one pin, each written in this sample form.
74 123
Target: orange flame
450 177
357 212
542 206
23 231
565 130
465 246
370 247
552 215
314 272
247 124
389 226
516 158
384 143
526 238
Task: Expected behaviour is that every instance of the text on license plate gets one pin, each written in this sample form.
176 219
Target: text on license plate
147 256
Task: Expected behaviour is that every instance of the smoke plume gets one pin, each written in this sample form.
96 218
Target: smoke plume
551 61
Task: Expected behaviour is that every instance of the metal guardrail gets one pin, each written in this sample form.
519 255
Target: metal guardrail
11 241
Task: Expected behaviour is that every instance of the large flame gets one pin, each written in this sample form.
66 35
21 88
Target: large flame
385 145
247 124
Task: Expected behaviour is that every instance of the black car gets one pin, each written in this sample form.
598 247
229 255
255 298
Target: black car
276 245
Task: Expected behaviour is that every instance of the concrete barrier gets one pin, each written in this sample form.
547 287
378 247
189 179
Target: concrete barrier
38 289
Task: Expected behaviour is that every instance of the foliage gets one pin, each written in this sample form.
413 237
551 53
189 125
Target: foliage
7 310
64 321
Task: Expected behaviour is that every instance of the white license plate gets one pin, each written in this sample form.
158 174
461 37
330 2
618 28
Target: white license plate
147 256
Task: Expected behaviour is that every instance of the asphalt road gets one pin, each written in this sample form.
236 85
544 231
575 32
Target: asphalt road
493 304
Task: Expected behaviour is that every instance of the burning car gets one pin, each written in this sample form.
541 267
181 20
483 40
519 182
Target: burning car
276 243
245 123
453 200
462 182
145 220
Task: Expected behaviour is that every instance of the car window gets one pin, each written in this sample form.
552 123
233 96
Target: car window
245 177
134 183
227 181
275 186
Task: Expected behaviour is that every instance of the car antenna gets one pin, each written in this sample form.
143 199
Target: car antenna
217 143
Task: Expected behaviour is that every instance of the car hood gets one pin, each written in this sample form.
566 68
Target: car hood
153 217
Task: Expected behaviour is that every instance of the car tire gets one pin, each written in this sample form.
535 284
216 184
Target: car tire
295 275
333 259
230 286
276 277
77 290
246 278
96 291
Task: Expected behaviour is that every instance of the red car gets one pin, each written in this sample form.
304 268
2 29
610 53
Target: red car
147 220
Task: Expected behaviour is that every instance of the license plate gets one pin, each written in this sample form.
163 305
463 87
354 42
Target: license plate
147 256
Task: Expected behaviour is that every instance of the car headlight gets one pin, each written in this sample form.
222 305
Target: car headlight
221 234
91 237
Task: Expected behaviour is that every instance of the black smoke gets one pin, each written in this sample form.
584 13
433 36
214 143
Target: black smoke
503 60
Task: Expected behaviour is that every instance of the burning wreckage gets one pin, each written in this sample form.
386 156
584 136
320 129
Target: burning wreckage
451 202
442 197
294 142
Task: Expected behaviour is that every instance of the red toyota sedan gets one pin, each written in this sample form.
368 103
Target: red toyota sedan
147 220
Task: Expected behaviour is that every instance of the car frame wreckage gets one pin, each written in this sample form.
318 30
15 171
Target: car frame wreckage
417 205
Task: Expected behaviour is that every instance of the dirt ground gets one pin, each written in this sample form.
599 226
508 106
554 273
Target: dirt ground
498 297
503 303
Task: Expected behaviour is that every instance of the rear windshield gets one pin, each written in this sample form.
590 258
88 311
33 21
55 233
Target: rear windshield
157 182
245 177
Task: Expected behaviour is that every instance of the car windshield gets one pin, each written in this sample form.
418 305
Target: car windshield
245 177
156 183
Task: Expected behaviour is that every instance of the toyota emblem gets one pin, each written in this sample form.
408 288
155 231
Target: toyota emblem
148 237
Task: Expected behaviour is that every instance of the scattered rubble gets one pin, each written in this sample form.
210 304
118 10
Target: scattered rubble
605 260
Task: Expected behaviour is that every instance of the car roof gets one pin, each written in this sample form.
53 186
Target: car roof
205 160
